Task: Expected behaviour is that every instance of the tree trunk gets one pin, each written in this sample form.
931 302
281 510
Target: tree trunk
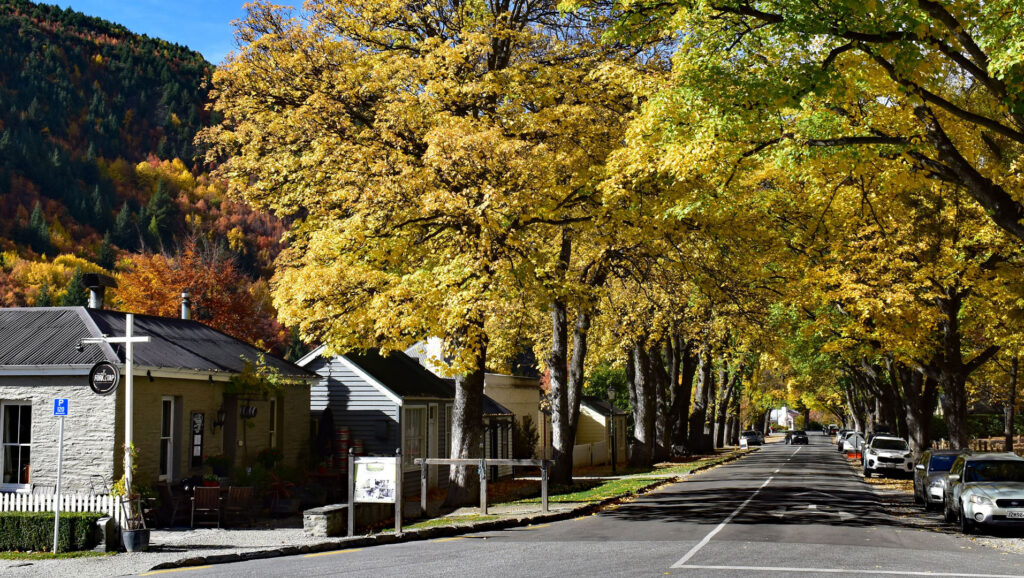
724 404
734 417
576 371
561 438
660 381
467 433
920 394
642 443
682 391
698 441
1011 406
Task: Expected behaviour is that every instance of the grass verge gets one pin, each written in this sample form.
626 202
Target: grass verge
51 556
448 521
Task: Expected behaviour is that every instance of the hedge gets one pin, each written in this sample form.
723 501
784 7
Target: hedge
33 531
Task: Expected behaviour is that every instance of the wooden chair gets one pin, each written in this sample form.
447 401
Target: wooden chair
170 506
206 501
239 504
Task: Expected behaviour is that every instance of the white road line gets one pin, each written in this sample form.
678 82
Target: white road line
875 572
718 528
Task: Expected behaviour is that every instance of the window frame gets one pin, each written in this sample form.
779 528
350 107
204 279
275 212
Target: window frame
407 455
15 487
168 439
272 431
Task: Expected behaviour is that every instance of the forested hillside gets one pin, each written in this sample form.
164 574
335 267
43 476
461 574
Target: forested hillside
98 167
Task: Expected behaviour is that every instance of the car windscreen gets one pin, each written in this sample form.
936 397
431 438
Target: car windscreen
890 445
941 463
994 471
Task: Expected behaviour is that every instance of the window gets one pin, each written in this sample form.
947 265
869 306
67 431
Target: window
16 448
414 426
273 423
167 438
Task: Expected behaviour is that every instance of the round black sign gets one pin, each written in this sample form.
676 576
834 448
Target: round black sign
104 377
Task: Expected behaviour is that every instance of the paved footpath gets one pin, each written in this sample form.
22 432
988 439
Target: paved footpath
783 510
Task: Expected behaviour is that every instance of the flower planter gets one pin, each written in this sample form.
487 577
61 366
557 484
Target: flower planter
210 484
135 540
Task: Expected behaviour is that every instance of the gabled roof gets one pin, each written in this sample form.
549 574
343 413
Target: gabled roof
397 372
402 376
47 338
599 405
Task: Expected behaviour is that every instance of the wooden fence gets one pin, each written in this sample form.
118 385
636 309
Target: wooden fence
109 505
986 445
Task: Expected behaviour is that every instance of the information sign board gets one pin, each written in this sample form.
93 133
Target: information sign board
375 480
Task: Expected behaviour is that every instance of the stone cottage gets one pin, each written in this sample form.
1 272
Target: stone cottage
185 411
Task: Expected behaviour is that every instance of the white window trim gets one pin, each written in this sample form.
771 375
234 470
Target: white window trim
409 467
273 423
170 450
16 488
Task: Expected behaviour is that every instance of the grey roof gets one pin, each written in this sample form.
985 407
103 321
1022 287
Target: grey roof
600 406
402 374
48 336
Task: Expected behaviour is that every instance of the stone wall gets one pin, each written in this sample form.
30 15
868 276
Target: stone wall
89 436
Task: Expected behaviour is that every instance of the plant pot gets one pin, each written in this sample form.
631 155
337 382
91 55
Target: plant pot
135 540
210 484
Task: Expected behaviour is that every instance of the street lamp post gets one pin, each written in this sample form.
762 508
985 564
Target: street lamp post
129 388
611 423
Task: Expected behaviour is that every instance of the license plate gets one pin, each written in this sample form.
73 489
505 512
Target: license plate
1015 514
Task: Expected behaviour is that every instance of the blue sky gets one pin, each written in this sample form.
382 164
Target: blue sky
202 25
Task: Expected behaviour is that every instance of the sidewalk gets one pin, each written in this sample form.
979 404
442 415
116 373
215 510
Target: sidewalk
186 547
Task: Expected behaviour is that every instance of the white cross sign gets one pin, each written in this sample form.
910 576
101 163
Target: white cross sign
60 408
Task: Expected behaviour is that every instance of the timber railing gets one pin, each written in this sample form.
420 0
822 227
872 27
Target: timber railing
482 464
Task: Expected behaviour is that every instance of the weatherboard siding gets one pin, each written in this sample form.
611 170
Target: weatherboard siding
369 414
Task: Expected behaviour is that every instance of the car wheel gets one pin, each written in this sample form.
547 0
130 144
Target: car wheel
966 524
947 512
918 500
867 472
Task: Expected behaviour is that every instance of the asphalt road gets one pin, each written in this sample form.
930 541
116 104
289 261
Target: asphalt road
794 510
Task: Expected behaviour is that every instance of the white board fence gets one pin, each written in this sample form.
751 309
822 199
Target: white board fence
108 505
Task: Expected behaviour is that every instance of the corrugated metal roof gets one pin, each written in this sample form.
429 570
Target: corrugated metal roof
48 336
402 374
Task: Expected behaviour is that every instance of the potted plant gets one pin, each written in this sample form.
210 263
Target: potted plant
269 457
211 481
134 533
220 465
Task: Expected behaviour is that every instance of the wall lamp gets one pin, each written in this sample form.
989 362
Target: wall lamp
218 420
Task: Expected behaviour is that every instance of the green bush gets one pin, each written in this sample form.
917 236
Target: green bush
34 531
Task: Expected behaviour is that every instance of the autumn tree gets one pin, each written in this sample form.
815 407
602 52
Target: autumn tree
221 297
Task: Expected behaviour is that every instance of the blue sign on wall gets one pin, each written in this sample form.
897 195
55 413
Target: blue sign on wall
60 408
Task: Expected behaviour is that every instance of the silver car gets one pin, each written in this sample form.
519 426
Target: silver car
986 490
930 476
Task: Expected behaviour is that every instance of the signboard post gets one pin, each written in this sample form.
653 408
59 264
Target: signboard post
60 409
129 390
375 480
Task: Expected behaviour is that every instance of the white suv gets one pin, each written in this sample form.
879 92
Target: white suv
887 453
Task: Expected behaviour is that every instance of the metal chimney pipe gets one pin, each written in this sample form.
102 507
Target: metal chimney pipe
186 305
96 297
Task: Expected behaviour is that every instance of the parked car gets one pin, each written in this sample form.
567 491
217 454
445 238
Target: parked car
887 454
753 438
797 436
841 439
985 490
841 434
853 442
930 476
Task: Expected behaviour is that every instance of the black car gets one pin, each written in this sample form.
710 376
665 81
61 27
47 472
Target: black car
797 436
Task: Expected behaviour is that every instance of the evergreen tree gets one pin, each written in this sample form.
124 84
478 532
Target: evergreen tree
43 298
76 294
38 232
162 213
124 234
105 256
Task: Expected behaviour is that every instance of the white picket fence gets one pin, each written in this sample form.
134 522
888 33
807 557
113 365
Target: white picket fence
109 505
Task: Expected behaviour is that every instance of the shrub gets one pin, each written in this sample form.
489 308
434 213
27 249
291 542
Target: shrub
34 531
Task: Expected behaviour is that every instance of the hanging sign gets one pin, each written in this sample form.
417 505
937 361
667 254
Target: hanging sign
104 377
375 480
